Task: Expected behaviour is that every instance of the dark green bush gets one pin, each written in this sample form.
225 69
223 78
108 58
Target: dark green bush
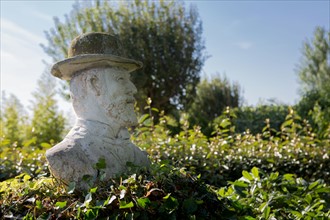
292 149
254 118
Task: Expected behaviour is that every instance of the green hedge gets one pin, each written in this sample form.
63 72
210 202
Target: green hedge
168 193
192 176
293 149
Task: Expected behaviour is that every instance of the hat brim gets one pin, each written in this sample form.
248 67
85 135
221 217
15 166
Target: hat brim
65 69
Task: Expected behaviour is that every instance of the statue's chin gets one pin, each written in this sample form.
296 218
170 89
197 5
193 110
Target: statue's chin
124 119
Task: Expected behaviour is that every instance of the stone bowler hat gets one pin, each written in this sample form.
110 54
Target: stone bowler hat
93 50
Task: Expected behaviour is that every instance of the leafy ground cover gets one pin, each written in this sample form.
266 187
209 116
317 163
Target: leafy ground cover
223 157
273 175
168 193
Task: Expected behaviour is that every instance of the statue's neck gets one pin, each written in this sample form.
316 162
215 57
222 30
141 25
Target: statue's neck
98 128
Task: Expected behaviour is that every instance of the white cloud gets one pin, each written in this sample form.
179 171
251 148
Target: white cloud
13 29
244 45
42 16
21 60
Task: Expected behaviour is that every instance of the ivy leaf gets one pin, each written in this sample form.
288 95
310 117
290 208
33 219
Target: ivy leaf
110 200
24 176
122 194
93 190
39 204
143 202
100 165
88 199
60 205
170 203
124 205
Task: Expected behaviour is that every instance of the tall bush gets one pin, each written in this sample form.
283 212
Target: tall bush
212 98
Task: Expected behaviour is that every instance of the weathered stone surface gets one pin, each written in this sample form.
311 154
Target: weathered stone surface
102 97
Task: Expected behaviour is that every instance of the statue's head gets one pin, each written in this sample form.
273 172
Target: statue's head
99 79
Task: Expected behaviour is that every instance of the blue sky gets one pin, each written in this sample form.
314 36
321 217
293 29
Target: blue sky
255 43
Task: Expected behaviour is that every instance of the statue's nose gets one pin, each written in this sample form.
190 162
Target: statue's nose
131 88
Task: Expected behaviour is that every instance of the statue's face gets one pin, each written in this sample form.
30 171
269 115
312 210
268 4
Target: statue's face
116 96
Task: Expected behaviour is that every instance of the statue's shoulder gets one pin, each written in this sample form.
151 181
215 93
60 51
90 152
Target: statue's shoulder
69 156
66 147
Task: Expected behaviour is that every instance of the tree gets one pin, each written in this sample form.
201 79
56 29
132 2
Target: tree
314 74
47 122
13 120
314 68
164 35
212 98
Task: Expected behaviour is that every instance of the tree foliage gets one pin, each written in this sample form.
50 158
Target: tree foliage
255 119
314 68
13 120
212 98
164 35
47 122
314 75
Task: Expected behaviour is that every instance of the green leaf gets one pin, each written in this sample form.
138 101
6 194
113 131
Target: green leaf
313 185
155 109
110 200
247 175
255 172
287 123
221 192
143 202
26 178
101 164
88 199
266 212
91 214
323 190
45 145
170 203
297 214
39 204
237 205
143 118
27 143
124 205
148 122
93 190
225 123
60 205
273 176
240 184
308 199
289 176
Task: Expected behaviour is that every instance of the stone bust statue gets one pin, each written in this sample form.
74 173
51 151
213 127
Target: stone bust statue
102 98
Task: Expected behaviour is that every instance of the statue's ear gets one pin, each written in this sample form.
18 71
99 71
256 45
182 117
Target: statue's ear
95 84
